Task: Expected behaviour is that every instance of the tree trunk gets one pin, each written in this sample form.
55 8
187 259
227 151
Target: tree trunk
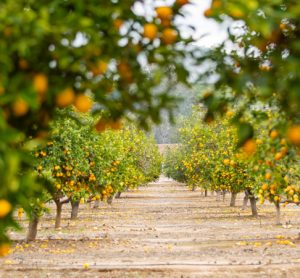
110 199
224 194
218 195
277 206
118 195
253 205
96 204
212 193
74 211
32 228
233 198
205 193
193 188
245 201
58 213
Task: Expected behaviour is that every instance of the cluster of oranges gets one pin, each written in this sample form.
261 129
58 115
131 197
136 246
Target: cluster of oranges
168 34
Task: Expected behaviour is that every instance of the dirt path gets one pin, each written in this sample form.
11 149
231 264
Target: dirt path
162 230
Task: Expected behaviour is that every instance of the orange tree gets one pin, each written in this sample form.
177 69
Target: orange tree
53 53
210 159
68 160
83 165
275 164
262 62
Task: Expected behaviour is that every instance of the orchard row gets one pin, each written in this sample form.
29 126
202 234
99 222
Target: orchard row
78 164
266 167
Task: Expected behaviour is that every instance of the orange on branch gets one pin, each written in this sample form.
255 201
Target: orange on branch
274 134
150 31
65 98
182 2
164 12
5 208
20 107
293 134
249 147
118 23
40 83
169 36
83 103
4 249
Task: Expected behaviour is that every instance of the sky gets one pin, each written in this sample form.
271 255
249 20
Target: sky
214 32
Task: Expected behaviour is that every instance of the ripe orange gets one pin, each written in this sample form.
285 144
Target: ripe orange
65 98
208 12
5 208
40 83
150 31
164 12
4 249
293 134
264 187
125 71
278 156
249 147
83 103
216 4
268 176
118 23
276 199
226 161
115 125
274 134
169 36
20 107
101 125
182 2
101 68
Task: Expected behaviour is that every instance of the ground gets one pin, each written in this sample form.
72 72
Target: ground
161 230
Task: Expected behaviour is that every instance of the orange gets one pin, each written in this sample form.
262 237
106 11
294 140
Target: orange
83 103
169 36
23 64
4 249
65 98
118 23
101 68
249 147
5 208
216 4
20 107
293 134
40 83
125 71
274 134
268 176
2 90
226 161
164 12
115 124
264 187
150 31
101 125
208 12
182 2
276 199
278 156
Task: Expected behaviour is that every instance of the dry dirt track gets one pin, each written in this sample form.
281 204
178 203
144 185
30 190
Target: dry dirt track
162 230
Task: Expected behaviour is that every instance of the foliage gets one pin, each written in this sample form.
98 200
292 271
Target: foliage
54 54
259 61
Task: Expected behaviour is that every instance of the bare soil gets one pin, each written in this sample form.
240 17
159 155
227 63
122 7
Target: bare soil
161 230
